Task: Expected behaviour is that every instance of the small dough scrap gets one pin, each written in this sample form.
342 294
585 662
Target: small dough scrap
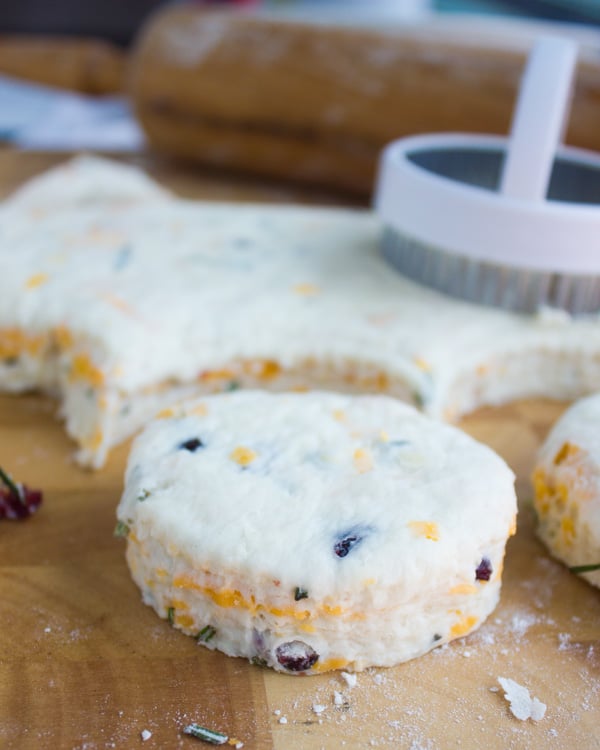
522 705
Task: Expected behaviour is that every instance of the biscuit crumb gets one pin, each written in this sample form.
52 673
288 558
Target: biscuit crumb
522 705
349 678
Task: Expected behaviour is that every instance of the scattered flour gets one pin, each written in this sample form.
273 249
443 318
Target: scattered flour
145 734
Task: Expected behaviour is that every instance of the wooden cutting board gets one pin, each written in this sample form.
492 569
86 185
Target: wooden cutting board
84 664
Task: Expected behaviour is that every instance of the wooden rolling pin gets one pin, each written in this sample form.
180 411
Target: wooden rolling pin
90 66
316 103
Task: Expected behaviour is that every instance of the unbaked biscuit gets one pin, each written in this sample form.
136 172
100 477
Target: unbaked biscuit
567 489
317 531
120 299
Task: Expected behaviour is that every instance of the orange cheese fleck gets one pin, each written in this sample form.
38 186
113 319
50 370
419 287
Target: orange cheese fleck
264 369
339 415
329 664
568 529
185 621
540 485
363 461
427 529
200 410
14 342
95 440
566 451
63 337
464 588
166 413
422 364
211 375
234 598
306 289
36 280
242 455
463 626
335 611
82 368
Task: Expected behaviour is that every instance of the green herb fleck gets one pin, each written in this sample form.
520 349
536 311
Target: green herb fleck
171 615
15 488
418 399
10 361
143 495
208 735
300 593
585 568
258 661
233 385
121 529
206 634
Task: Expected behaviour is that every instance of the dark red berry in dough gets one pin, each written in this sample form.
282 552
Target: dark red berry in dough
192 445
296 656
483 571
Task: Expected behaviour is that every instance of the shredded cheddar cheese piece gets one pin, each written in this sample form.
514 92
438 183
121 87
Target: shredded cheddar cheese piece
306 289
567 450
243 456
82 368
463 626
427 529
363 461
422 364
464 588
14 342
36 280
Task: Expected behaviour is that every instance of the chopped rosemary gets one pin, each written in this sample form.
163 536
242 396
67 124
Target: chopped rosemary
300 593
418 399
258 661
143 495
585 568
208 735
206 634
171 615
14 488
233 385
121 529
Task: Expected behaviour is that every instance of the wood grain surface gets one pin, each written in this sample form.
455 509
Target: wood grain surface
85 664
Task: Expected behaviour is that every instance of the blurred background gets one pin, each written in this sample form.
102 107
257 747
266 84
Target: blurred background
307 91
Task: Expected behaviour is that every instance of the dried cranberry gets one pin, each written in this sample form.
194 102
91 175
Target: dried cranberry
296 656
483 571
348 539
191 445
16 500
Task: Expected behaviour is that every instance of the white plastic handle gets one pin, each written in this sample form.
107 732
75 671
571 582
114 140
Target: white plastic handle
539 120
